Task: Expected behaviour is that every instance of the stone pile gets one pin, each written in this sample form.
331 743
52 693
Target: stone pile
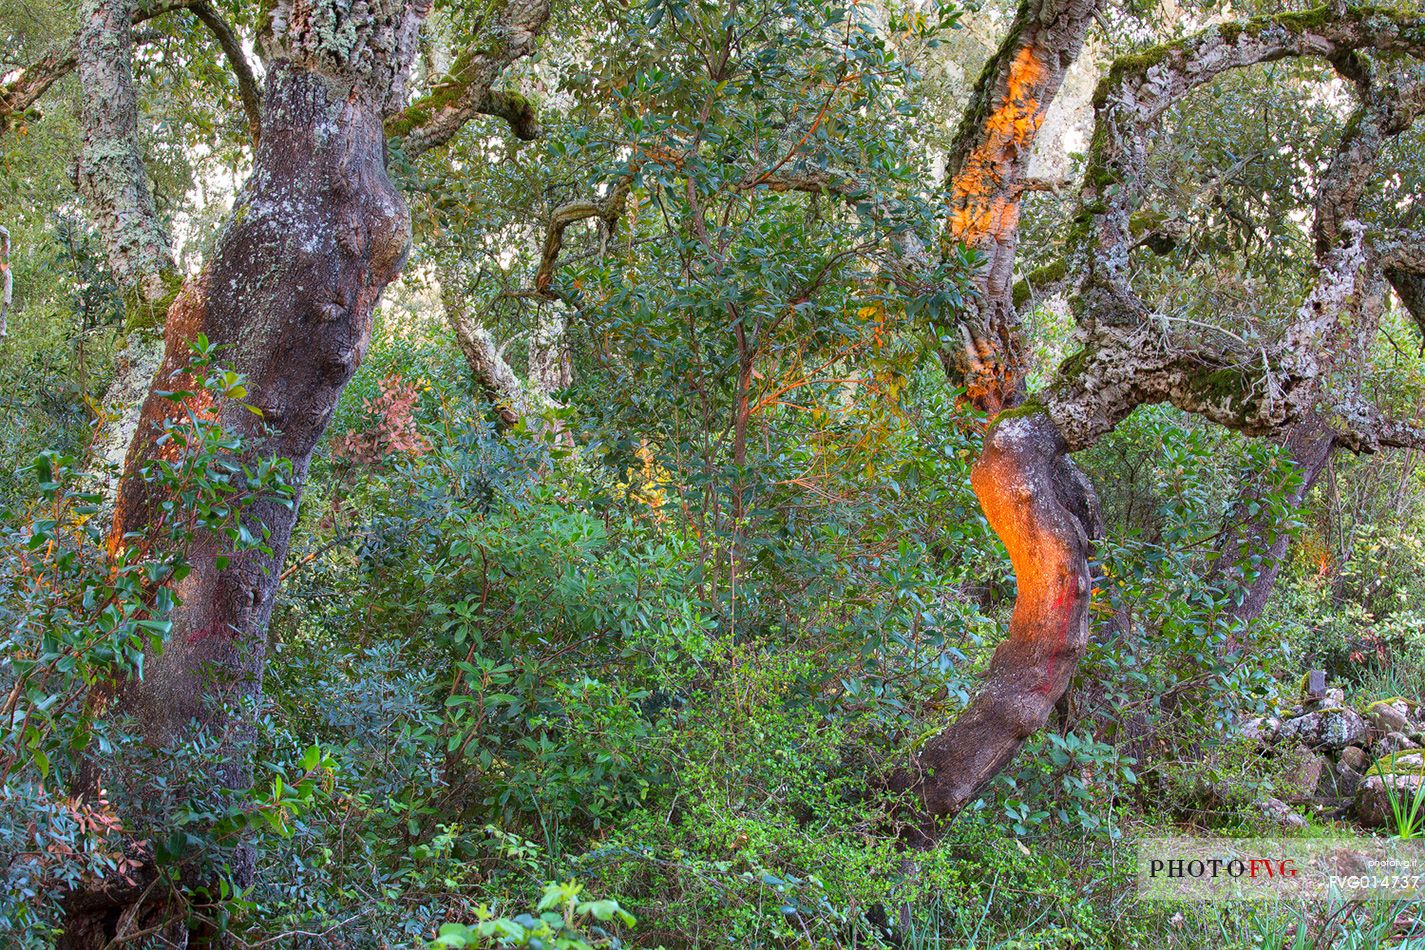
1347 756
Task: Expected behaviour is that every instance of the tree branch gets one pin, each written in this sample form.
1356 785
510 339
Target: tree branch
1363 427
518 110
607 210
465 92
1132 357
22 88
231 46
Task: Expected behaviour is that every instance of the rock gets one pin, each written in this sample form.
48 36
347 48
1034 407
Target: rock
1339 782
1389 716
1335 698
1394 742
1304 778
1402 762
1262 728
1354 757
1281 814
1332 728
1373 801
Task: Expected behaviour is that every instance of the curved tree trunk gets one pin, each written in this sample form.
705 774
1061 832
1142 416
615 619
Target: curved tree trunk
988 165
1036 500
1046 513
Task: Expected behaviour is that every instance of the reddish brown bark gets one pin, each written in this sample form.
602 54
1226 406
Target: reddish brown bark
318 232
1044 510
1035 499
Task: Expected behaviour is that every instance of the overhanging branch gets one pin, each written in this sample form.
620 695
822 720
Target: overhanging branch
22 88
1131 357
466 91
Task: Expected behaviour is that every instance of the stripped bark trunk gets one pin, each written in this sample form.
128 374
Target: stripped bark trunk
316 234
1036 500
988 166
1045 511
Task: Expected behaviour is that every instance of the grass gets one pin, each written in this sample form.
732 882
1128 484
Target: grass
1407 810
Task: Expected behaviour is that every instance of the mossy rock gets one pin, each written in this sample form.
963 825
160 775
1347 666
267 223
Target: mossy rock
1394 701
1331 728
1403 762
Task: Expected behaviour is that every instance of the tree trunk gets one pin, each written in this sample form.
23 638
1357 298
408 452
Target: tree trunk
988 164
1309 443
1036 500
1046 513
492 373
317 233
550 366
112 179
7 282
111 172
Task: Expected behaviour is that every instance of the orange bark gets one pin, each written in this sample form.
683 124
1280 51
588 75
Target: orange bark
984 196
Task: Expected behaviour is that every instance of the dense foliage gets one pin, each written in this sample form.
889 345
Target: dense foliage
636 670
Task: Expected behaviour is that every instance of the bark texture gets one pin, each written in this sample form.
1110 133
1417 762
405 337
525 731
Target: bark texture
1046 513
317 232
1036 501
111 172
988 166
512 401
508 33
